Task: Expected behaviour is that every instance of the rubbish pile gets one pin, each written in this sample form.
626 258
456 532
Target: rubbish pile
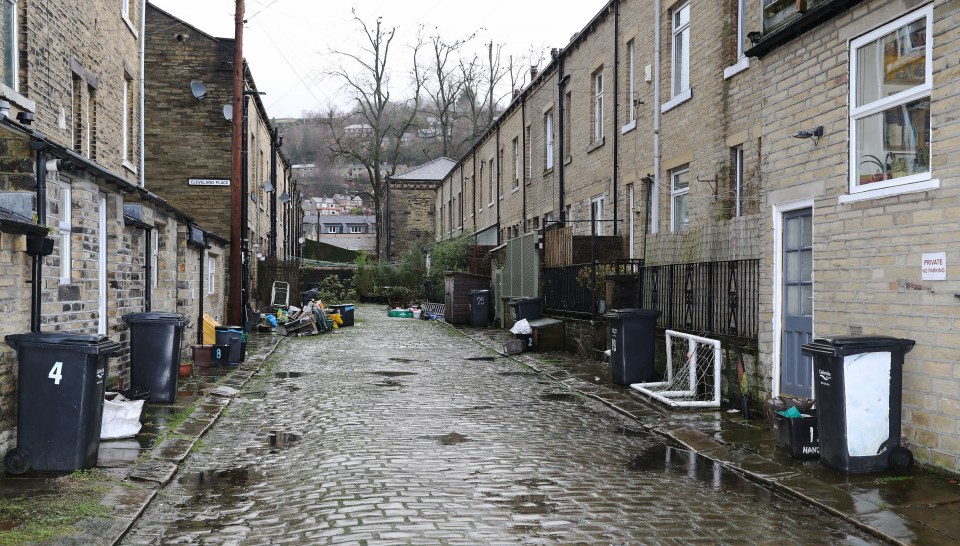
312 319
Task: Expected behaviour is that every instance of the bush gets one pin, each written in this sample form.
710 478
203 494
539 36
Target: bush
331 290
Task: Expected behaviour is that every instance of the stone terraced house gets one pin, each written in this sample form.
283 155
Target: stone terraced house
811 146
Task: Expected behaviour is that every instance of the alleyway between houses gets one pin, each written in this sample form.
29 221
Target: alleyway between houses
403 431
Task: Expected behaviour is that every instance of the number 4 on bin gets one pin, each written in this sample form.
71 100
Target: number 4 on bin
56 372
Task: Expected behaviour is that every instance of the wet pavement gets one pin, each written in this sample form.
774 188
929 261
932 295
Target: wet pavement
398 431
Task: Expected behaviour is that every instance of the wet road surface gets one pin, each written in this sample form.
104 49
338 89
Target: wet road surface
399 431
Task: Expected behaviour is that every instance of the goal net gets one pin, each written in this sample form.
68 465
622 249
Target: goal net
692 376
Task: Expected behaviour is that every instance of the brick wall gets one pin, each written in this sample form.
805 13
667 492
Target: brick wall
412 211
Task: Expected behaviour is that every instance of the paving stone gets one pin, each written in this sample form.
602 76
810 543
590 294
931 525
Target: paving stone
401 440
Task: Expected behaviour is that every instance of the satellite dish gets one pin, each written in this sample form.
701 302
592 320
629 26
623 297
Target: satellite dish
267 186
228 112
284 198
301 240
198 89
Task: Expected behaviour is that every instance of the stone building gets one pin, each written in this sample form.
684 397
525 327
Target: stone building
816 139
72 145
189 85
407 218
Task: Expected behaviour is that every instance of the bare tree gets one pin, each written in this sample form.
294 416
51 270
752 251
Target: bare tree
374 140
445 86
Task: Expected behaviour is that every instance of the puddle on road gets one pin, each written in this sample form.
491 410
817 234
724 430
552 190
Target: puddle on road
220 480
681 462
400 359
559 397
290 375
392 374
515 374
389 383
282 439
481 358
534 483
533 504
478 408
628 432
449 439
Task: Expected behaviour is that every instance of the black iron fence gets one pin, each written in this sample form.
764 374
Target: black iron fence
718 298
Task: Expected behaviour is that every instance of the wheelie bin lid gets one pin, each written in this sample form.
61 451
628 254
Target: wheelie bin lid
852 345
472 292
524 299
81 343
237 329
155 316
624 313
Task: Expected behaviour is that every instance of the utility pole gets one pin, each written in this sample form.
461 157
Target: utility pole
234 305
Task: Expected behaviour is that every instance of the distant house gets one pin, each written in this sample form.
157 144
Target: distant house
348 231
408 206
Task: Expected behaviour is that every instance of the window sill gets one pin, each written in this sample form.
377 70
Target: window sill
133 29
742 64
17 99
490 204
913 187
129 166
596 144
628 127
515 190
568 160
548 171
676 101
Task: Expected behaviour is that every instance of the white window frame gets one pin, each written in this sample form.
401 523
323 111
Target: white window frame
356 229
680 63
516 163
743 62
490 169
676 193
125 8
11 39
211 274
155 256
904 184
331 229
65 229
737 179
127 121
631 86
596 208
548 140
598 105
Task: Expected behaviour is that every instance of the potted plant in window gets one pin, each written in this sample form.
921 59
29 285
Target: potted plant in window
883 168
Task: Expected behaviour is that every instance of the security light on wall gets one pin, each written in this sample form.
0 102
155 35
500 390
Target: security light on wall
198 89
814 133
267 186
284 198
228 112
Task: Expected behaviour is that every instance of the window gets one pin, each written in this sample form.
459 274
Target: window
681 49
548 140
493 195
65 229
211 274
91 125
77 105
125 8
516 163
596 208
11 44
356 229
527 159
155 256
631 84
480 188
778 12
331 229
598 105
741 21
736 164
679 191
890 107
128 118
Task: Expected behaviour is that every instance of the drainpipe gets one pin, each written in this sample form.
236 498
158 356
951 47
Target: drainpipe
526 160
148 271
37 265
275 143
496 193
143 64
656 119
201 252
616 109
474 202
561 83
244 206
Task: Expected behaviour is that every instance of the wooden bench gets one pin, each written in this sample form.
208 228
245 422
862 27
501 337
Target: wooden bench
548 334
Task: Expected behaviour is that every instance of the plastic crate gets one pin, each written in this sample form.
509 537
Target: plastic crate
799 437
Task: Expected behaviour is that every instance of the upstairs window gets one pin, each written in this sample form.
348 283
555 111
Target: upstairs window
631 83
890 105
598 105
778 12
681 49
356 229
516 163
679 192
11 49
548 140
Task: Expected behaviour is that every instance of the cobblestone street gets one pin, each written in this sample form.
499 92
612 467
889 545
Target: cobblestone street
407 432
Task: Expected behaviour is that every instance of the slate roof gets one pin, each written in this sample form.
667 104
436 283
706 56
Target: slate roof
435 170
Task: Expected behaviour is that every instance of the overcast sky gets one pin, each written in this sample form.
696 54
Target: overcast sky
287 42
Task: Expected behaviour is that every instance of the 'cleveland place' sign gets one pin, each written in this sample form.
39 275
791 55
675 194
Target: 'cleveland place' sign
207 182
